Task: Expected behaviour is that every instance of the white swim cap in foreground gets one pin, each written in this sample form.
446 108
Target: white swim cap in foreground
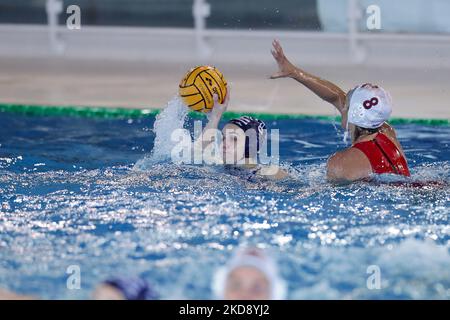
369 107
250 257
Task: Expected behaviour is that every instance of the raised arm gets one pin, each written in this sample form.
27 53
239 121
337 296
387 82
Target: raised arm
210 130
323 88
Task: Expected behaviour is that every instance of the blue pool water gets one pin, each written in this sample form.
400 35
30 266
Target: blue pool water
69 196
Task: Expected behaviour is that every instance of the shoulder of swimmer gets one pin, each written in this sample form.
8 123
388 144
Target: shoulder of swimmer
348 165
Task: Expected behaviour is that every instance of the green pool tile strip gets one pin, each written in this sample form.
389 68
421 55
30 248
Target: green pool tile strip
76 111
103 112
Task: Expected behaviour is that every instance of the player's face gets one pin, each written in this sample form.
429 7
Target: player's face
233 144
247 283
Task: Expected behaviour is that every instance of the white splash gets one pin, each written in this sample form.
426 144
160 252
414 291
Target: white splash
171 118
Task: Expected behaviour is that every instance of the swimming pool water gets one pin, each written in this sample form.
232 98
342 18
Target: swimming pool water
69 196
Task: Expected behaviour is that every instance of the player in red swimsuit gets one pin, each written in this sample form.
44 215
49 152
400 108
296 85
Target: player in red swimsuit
365 110
384 156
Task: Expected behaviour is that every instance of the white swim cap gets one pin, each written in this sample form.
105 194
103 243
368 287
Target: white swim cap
369 107
255 258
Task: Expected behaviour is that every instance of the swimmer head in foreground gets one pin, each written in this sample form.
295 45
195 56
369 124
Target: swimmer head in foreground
124 288
250 274
241 142
365 110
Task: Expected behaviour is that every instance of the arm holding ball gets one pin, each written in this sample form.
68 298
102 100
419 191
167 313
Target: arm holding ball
214 117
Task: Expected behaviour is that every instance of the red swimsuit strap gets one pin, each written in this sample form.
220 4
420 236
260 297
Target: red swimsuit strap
384 156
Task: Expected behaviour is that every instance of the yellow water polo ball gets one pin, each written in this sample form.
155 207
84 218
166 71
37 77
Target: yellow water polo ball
199 85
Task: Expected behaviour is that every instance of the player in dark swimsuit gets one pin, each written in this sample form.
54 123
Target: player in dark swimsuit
365 110
241 139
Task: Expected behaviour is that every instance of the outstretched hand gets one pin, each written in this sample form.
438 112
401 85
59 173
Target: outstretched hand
285 67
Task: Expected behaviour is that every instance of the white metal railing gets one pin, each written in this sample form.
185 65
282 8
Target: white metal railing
201 11
353 16
54 9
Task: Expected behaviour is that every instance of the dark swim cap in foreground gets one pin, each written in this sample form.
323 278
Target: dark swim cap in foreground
247 123
133 288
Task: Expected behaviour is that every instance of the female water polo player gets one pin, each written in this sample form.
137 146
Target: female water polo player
365 110
241 141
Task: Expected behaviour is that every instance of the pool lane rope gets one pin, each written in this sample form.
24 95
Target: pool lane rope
106 112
